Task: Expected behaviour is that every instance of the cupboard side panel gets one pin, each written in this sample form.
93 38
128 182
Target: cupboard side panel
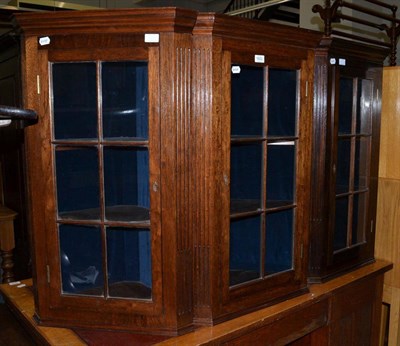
175 86
37 153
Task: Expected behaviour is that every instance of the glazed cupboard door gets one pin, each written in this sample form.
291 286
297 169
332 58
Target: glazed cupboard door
104 233
267 152
264 142
102 178
346 130
353 164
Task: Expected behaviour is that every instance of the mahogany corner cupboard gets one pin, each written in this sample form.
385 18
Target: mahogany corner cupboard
347 109
173 166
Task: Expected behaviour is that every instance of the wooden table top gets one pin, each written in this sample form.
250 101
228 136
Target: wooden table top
20 301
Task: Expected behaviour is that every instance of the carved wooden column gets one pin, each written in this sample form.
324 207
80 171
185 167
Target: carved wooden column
7 242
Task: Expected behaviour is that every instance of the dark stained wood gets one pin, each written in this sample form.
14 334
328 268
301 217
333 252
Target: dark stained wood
220 41
93 22
331 313
12 332
365 62
169 311
189 148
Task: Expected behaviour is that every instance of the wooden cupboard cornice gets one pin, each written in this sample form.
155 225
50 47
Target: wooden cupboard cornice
123 21
247 29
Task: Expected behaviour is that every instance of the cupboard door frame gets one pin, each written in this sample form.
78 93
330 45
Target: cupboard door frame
356 61
58 302
363 250
271 288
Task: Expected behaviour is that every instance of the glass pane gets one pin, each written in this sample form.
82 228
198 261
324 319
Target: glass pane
81 260
246 177
341 217
247 98
359 218
364 106
343 166
75 100
244 250
279 242
77 179
281 174
345 105
361 169
125 100
129 263
282 102
126 184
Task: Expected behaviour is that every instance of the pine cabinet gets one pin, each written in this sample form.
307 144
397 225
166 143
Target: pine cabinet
190 167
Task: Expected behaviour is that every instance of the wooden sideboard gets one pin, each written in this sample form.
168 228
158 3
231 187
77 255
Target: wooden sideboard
344 311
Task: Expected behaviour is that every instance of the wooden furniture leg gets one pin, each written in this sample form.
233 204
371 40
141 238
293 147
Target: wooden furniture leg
7 243
384 321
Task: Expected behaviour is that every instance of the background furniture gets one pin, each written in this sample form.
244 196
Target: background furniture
388 213
13 181
346 146
7 243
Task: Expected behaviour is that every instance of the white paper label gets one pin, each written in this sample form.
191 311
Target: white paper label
152 38
282 143
235 69
44 41
259 58
342 62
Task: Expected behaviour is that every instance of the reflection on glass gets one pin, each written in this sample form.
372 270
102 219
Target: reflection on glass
361 164
279 242
282 102
74 100
364 97
247 99
129 263
81 260
125 100
359 218
246 177
341 217
126 184
77 183
345 105
343 166
244 251
281 175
